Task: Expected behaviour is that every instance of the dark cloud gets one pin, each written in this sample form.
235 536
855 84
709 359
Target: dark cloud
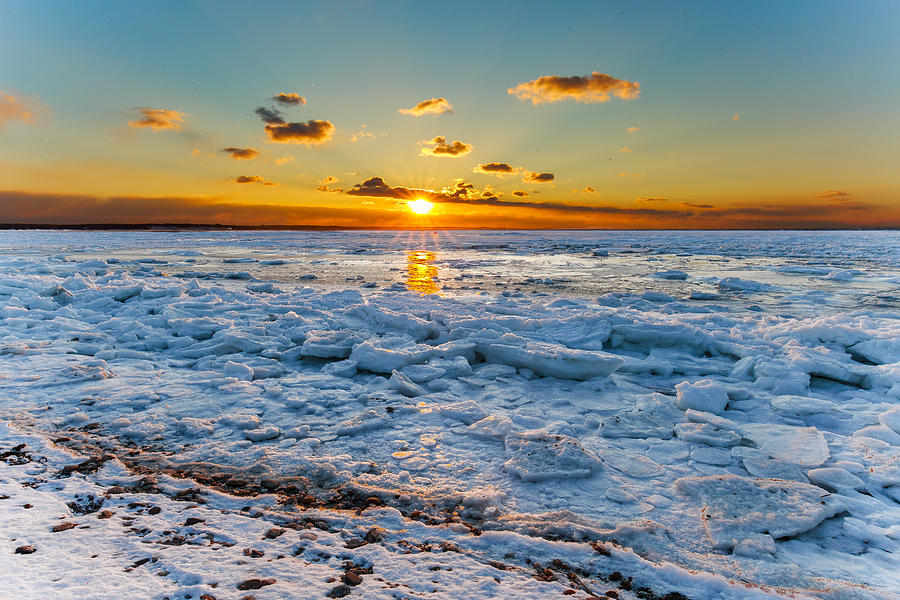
252 179
595 87
289 98
495 168
309 132
240 153
520 193
432 106
270 115
158 119
532 177
440 147
651 199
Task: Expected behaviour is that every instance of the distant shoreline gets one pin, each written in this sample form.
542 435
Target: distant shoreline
175 227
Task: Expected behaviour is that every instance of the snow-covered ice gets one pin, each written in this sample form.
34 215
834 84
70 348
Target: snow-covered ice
518 414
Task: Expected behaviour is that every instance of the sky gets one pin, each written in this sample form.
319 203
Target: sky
689 115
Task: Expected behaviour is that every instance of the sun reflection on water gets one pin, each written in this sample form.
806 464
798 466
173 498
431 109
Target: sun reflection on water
421 273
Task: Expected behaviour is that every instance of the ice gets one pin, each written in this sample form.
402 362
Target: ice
704 395
736 508
538 456
543 398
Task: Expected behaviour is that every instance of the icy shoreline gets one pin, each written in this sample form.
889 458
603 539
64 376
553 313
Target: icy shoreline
700 439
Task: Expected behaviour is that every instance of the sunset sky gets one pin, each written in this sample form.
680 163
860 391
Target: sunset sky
581 114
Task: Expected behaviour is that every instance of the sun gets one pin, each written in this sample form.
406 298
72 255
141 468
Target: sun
420 206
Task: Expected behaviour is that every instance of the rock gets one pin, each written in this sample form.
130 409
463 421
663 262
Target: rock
26 550
351 578
154 510
339 591
108 513
190 521
274 533
63 527
116 489
254 584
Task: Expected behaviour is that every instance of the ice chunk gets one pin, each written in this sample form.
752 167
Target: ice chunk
835 479
711 456
891 419
404 385
704 433
630 463
379 359
551 360
367 420
879 351
757 545
238 371
705 395
671 274
262 434
735 508
423 373
539 456
467 411
329 344
803 446
492 426
736 284
802 405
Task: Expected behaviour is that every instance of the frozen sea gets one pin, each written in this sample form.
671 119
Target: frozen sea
450 414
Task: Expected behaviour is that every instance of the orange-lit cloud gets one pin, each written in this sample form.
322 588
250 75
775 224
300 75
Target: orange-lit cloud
532 177
289 98
432 106
635 175
240 153
361 134
309 132
324 183
625 149
588 190
633 129
16 108
495 168
158 119
651 199
520 193
253 179
735 117
595 87
440 147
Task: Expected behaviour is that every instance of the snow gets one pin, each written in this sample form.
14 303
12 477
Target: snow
569 400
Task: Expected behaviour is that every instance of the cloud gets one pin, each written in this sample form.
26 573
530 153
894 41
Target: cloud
432 106
735 117
532 177
270 115
361 134
440 147
588 190
377 188
284 160
834 194
520 193
324 183
289 98
635 175
651 199
17 108
625 149
595 87
158 119
496 168
633 129
309 132
240 153
253 179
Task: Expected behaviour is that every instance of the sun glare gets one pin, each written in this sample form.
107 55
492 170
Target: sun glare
420 207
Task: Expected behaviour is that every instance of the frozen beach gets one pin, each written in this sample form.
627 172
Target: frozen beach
449 414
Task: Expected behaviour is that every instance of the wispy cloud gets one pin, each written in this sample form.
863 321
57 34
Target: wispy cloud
633 129
327 181
17 108
834 194
624 149
595 87
634 175
240 153
361 134
439 146
289 98
158 119
651 199
432 106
